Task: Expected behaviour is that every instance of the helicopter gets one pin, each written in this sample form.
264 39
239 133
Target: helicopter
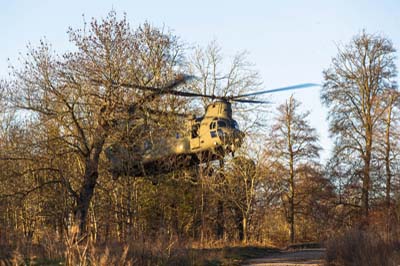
206 138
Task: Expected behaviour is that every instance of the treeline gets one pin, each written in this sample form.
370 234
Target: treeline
59 111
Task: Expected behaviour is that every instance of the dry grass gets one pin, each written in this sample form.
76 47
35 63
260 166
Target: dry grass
162 250
80 251
360 248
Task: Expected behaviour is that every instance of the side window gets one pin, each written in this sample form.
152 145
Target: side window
213 125
235 125
195 131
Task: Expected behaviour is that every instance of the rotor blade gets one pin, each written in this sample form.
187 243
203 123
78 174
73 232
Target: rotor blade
250 101
161 91
165 113
168 89
133 107
294 87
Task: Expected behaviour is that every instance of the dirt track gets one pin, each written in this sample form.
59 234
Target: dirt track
307 257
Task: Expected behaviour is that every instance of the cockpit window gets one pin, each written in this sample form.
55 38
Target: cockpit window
213 125
221 123
235 125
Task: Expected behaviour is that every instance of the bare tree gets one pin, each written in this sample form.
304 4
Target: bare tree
79 92
239 189
388 152
2 96
219 75
353 89
216 76
293 144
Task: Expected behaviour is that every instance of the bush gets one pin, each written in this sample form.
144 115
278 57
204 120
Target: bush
360 248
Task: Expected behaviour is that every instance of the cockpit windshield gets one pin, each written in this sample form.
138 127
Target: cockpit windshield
221 123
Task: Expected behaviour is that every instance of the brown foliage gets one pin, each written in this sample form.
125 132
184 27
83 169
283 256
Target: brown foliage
357 247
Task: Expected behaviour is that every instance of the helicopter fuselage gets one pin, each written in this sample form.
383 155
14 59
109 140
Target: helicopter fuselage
208 138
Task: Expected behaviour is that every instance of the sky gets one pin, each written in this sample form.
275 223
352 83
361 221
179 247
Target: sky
289 42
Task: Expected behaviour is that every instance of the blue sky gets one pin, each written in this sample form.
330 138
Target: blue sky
289 42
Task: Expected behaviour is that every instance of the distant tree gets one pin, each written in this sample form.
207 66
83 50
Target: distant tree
315 199
293 143
2 96
218 76
239 190
388 152
344 170
354 91
391 147
79 95
221 75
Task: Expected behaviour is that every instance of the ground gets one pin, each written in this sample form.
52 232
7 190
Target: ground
306 257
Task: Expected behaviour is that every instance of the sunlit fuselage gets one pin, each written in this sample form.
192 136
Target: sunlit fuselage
210 137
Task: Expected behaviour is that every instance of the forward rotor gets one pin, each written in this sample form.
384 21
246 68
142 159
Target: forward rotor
182 79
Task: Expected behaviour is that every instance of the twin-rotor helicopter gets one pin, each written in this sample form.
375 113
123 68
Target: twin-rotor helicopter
206 138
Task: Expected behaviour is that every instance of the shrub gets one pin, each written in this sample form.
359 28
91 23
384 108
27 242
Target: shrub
360 248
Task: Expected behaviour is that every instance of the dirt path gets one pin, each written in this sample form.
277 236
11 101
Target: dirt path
306 257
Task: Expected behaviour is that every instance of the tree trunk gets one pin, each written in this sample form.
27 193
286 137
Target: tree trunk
366 178
291 202
86 191
85 196
388 170
244 225
365 191
220 219
291 169
291 220
239 224
202 227
220 206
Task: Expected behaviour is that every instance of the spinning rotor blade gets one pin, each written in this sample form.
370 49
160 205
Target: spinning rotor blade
132 108
168 89
294 87
157 112
249 101
181 79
